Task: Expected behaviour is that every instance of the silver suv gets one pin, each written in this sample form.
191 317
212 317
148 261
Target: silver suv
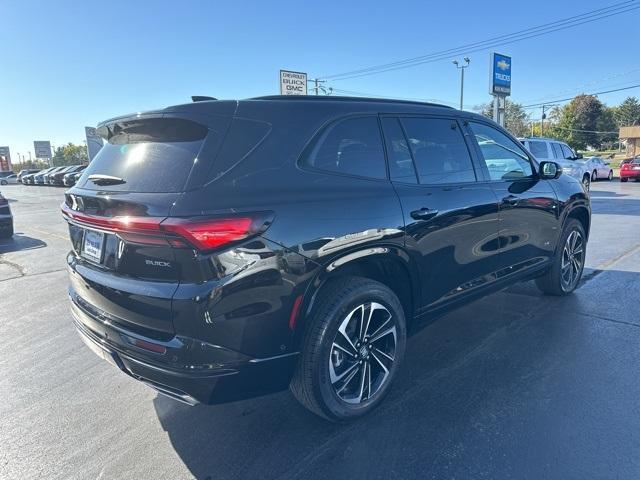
560 152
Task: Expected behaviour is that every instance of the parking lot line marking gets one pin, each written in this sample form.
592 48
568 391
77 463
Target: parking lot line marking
48 233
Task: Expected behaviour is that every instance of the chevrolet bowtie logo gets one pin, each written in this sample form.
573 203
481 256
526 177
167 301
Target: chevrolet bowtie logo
503 65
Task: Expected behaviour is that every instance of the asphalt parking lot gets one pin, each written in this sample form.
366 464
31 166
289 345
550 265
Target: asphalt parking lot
516 385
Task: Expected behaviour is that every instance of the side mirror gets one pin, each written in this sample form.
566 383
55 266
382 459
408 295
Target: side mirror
578 156
549 170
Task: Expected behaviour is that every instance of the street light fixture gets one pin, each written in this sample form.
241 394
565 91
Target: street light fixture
461 67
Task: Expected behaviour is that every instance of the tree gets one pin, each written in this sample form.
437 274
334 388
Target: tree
628 112
581 120
516 119
70 154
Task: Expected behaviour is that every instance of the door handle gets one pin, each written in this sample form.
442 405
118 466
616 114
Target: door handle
424 214
510 199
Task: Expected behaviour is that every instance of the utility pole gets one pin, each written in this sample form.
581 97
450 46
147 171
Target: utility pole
544 116
318 86
460 67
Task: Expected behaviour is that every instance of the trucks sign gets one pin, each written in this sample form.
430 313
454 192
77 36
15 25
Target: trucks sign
500 83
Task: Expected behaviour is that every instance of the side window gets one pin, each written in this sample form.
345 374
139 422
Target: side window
352 146
557 151
538 149
401 167
566 152
439 150
505 159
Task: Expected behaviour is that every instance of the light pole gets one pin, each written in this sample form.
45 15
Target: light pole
461 67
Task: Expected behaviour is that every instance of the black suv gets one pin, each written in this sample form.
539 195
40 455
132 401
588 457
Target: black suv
226 249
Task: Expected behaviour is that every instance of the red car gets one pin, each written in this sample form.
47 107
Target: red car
630 169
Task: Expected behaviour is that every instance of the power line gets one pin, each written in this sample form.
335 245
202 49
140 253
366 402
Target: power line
584 131
532 32
577 89
534 105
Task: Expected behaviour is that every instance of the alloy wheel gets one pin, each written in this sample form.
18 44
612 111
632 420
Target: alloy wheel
572 260
362 353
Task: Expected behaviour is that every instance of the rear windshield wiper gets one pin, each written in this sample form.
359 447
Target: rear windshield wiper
100 179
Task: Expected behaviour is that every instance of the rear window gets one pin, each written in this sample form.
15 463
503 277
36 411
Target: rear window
150 155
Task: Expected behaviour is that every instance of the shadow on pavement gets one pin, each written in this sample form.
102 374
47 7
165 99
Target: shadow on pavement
606 194
615 205
515 385
20 242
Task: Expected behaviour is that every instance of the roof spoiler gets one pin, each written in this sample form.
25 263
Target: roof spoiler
201 98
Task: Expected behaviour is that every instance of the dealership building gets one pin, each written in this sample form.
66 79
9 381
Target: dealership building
631 138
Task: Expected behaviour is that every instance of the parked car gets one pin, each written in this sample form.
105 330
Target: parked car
57 178
27 171
38 178
6 218
47 176
9 180
28 178
51 178
70 179
553 150
600 168
630 169
404 209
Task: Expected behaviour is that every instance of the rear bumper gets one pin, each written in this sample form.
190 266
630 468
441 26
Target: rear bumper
189 370
629 173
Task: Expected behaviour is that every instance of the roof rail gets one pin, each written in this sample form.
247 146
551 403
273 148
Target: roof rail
338 98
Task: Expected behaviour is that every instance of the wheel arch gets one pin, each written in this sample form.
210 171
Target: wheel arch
389 265
581 213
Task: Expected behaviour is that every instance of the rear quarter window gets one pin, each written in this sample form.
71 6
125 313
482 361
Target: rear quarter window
352 146
538 149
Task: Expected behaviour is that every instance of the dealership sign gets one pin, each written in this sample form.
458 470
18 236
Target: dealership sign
293 83
500 83
5 159
94 142
42 148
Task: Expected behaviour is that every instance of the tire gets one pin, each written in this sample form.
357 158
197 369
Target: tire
624 179
4 182
554 282
586 182
324 380
610 177
594 176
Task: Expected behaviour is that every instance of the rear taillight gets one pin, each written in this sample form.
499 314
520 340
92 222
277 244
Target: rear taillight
209 234
203 233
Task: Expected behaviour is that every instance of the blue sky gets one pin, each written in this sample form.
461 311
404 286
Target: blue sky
67 64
